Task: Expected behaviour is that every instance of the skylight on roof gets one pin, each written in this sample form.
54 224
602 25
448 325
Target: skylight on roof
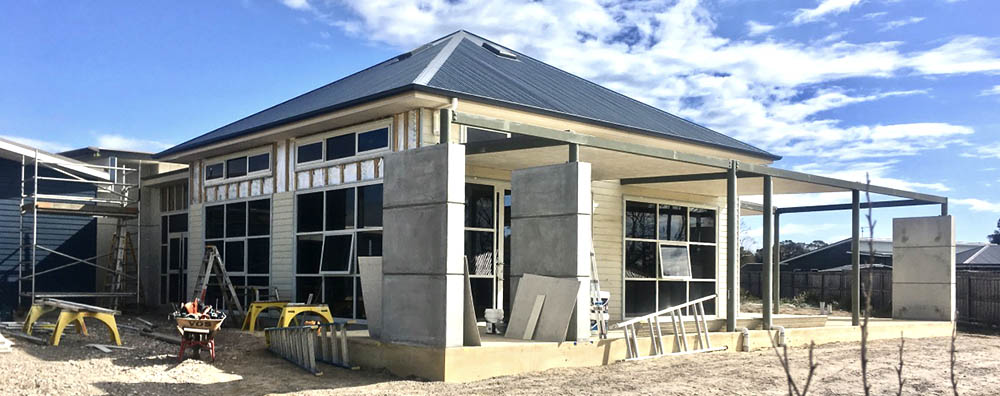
499 51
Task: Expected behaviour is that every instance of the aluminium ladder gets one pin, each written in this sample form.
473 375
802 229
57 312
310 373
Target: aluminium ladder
680 334
212 262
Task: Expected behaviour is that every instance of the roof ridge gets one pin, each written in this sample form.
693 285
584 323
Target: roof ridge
751 147
429 71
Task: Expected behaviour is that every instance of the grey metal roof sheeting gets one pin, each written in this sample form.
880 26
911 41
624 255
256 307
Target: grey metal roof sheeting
986 255
458 65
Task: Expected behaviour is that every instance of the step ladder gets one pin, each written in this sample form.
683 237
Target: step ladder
212 263
680 334
123 263
598 301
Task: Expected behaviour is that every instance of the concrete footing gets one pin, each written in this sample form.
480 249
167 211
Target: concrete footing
499 356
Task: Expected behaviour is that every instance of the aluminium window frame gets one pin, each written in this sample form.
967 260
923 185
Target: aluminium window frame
245 238
357 129
353 264
224 160
625 198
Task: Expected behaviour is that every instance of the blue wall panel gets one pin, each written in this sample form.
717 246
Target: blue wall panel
72 235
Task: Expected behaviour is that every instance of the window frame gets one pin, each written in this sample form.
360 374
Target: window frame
352 271
322 137
224 160
246 238
687 243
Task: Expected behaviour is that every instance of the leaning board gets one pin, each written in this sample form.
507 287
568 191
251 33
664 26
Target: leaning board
557 309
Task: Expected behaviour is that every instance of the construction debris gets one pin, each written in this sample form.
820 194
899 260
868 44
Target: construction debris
5 345
36 340
107 348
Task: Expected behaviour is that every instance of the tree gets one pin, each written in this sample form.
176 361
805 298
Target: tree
995 236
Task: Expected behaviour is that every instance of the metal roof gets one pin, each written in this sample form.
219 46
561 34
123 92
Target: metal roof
459 65
988 254
14 151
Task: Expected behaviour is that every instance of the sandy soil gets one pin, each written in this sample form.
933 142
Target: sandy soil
244 367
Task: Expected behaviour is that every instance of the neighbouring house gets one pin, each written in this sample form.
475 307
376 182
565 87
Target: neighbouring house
837 256
465 155
982 258
59 235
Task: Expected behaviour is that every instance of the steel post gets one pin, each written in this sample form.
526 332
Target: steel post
766 283
733 253
855 257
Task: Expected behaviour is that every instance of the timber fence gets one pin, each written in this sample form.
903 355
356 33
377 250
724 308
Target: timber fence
977 292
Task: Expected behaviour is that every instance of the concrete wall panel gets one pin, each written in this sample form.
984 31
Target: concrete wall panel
923 273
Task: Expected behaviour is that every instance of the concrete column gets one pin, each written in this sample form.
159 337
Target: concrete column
766 289
551 231
856 257
923 268
423 241
776 271
733 247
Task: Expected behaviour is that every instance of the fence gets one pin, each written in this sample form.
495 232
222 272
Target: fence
977 293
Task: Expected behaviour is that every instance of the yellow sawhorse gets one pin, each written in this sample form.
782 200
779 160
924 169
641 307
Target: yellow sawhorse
256 308
71 312
289 311
37 311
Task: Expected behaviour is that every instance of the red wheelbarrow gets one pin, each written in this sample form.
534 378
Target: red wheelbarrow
198 334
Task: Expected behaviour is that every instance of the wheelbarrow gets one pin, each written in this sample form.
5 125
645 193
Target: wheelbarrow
198 334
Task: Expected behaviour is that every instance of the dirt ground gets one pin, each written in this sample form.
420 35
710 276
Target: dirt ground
244 367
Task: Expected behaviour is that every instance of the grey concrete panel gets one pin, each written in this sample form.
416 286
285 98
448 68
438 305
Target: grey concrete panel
923 231
551 246
423 309
561 295
431 174
371 286
921 301
923 265
552 190
425 239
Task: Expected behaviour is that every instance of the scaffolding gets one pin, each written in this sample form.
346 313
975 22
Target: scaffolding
113 197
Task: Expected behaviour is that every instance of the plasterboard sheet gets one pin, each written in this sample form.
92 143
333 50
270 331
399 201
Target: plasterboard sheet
560 301
371 285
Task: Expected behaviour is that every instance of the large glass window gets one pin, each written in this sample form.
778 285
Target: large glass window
236 167
241 231
333 228
670 256
259 162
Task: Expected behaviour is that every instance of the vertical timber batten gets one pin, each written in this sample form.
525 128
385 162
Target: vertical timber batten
733 249
855 257
766 283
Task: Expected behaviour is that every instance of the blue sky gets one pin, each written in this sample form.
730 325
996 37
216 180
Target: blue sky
907 91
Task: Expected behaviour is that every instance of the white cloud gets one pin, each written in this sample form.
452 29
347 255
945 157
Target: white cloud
963 54
668 55
991 91
44 145
120 142
824 8
985 151
297 4
880 173
875 15
900 23
755 29
978 205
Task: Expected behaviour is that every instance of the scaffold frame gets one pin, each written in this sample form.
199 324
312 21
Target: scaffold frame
114 197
